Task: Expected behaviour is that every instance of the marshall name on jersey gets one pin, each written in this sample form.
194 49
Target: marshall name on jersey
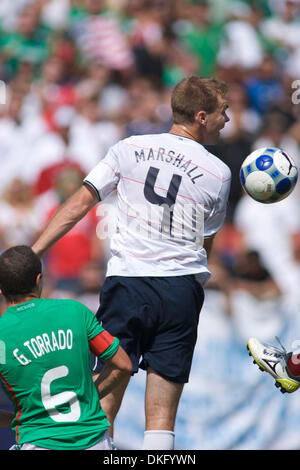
169 156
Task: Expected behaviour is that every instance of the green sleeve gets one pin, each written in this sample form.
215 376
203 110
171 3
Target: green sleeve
94 328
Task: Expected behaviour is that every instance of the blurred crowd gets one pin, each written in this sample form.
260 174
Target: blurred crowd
82 74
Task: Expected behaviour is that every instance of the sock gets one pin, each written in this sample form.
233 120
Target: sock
158 440
293 365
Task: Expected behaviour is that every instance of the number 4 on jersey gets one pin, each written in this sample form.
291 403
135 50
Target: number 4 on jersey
168 201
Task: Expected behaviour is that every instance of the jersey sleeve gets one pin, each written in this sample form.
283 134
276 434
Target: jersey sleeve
105 176
217 216
93 327
101 343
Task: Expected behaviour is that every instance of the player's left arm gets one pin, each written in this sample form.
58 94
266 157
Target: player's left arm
6 418
217 216
208 245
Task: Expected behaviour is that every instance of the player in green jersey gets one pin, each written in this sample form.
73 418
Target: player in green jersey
45 362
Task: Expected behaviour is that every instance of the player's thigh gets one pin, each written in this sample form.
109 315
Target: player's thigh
171 350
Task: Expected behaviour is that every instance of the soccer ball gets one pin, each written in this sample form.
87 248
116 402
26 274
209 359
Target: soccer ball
268 175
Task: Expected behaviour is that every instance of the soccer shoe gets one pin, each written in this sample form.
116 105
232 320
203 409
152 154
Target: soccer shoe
274 361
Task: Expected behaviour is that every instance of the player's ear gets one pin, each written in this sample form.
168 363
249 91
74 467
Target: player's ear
39 279
39 284
201 117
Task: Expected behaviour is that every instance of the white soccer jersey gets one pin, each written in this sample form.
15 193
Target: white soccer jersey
171 194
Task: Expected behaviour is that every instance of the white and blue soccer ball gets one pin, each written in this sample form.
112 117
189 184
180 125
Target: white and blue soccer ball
268 175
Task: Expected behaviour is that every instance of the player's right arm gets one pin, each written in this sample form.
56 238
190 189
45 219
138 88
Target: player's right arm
117 363
73 210
6 418
115 370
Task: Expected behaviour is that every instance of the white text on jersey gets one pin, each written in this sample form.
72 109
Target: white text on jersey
45 344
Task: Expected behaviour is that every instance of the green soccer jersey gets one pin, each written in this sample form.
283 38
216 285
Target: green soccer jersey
46 372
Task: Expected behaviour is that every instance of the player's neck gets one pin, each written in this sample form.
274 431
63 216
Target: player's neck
22 300
186 131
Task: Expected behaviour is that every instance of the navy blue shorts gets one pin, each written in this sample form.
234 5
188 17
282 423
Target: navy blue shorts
155 319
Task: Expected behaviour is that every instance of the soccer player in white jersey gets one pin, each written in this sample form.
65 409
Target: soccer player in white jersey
171 201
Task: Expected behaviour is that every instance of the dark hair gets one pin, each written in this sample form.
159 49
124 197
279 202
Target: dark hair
193 94
19 268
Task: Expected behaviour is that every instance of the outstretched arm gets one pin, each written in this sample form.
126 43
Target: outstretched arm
74 209
6 418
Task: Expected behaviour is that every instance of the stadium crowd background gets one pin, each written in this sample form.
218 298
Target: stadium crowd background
82 74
